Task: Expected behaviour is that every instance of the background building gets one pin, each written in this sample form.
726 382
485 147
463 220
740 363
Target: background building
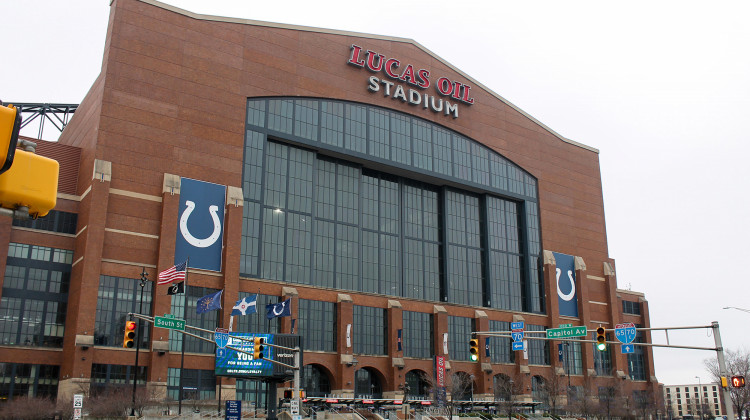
400 204
694 399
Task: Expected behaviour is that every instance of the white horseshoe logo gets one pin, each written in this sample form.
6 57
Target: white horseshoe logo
192 240
566 297
279 306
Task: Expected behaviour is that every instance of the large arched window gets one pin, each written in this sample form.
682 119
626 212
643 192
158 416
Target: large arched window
356 197
416 384
367 384
316 381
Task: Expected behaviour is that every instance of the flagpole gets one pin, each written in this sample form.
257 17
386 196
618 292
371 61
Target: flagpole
182 358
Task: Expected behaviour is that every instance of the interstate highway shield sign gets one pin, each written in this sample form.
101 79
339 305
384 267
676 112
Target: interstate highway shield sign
625 333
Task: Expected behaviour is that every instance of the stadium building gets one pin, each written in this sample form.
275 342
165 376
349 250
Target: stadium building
398 202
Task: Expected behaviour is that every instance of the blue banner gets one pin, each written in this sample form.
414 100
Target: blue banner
200 228
566 284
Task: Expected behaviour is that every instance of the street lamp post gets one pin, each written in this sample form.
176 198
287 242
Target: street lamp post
700 397
144 279
739 309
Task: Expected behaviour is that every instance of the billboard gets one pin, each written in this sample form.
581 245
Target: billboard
230 362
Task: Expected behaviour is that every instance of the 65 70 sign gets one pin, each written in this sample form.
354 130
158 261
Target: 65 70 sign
393 69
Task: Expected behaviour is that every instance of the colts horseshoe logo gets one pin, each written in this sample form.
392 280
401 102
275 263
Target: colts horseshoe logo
279 307
569 296
192 240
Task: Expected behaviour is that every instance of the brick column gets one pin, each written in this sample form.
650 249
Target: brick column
619 360
75 371
395 322
344 372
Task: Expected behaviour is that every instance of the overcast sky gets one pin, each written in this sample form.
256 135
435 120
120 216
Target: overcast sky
660 88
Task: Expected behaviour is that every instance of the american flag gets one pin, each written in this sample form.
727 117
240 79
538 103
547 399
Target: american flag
175 273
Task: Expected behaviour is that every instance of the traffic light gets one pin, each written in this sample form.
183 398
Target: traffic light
10 124
474 349
738 381
258 348
31 183
601 339
724 382
128 340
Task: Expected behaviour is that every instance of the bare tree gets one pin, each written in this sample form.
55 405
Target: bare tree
580 399
507 391
738 363
611 401
554 386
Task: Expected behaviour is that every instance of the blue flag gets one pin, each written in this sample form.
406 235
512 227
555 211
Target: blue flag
210 302
274 310
245 306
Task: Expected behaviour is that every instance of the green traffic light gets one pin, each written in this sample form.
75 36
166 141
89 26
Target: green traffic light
601 346
474 358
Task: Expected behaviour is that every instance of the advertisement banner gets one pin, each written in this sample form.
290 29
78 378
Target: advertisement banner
233 363
200 228
440 370
566 284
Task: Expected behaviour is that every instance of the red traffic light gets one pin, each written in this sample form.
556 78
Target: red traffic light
128 339
738 381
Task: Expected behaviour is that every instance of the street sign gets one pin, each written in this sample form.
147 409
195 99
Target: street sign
625 333
627 348
517 335
78 401
518 345
233 410
76 413
516 325
169 323
294 406
566 332
221 337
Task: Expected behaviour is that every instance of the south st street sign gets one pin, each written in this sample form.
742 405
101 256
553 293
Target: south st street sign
418 78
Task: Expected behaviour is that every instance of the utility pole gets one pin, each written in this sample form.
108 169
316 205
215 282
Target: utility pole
723 370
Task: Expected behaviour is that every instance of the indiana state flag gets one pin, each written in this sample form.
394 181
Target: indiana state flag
274 310
210 302
245 306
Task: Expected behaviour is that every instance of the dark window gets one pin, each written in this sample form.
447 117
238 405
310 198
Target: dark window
367 385
105 377
538 349
500 347
252 391
316 321
370 330
24 380
116 298
630 307
35 295
207 320
316 381
636 360
572 361
463 249
417 334
459 334
196 384
54 221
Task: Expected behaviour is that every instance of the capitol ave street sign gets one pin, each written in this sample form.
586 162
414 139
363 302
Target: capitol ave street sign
566 332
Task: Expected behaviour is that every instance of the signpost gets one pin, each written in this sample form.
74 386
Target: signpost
77 405
516 333
566 332
221 337
627 348
233 410
169 323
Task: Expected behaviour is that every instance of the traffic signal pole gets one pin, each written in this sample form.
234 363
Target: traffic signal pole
723 370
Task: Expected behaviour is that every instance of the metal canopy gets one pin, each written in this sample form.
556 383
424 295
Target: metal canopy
57 114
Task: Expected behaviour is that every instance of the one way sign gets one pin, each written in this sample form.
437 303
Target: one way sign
627 348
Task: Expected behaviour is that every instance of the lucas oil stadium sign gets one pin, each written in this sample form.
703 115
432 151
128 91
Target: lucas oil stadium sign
390 74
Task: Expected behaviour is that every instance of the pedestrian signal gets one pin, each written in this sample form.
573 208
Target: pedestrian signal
738 381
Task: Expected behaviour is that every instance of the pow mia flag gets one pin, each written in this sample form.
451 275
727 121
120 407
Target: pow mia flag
176 288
